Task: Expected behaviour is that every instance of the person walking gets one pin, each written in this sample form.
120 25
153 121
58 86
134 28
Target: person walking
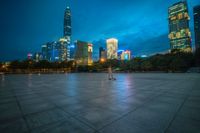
110 74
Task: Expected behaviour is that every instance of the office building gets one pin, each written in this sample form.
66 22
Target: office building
126 55
179 32
112 47
37 56
102 54
44 52
119 53
55 51
196 12
72 51
67 23
67 30
63 49
83 53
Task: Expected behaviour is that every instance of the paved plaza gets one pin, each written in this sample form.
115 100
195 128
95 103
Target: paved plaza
89 103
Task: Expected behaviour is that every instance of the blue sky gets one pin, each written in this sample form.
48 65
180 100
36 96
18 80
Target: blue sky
140 26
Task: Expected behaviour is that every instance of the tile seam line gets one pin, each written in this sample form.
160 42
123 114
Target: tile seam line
147 101
175 115
24 118
95 130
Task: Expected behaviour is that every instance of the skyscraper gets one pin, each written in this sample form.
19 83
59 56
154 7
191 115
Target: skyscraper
67 30
44 52
179 32
83 53
196 12
112 47
62 48
67 23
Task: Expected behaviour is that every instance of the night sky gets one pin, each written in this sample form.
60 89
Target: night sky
140 25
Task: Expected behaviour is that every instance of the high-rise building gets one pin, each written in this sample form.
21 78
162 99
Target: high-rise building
126 55
83 53
119 53
112 47
67 30
55 51
90 51
196 12
72 51
67 23
179 32
102 54
44 52
37 56
63 49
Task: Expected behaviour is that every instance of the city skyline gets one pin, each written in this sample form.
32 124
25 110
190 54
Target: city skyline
140 37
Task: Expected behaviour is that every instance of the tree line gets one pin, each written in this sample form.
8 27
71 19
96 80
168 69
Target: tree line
171 62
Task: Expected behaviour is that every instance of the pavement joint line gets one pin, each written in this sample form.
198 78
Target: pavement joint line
175 115
86 124
47 124
147 101
83 122
21 112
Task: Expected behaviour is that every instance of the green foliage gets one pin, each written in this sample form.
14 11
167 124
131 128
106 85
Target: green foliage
176 61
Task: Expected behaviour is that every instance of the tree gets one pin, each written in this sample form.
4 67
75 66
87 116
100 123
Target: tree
178 64
146 65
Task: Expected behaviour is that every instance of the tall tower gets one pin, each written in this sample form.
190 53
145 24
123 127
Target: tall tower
67 23
67 30
179 32
196 12
112 47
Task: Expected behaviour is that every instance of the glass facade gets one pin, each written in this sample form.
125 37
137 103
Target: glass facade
67 22
102 54
55 51
179 32
67 31
83 53
196 12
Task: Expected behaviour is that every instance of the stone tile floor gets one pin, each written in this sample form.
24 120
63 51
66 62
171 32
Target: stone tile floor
84 103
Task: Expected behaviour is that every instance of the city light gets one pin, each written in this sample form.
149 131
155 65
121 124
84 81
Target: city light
112 48
72 46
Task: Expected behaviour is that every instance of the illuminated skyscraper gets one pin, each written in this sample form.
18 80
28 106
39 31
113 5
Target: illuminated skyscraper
83 53
72 51
67 23
62 48
196 12
179 32
67 30
44 52
112 47
55 51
